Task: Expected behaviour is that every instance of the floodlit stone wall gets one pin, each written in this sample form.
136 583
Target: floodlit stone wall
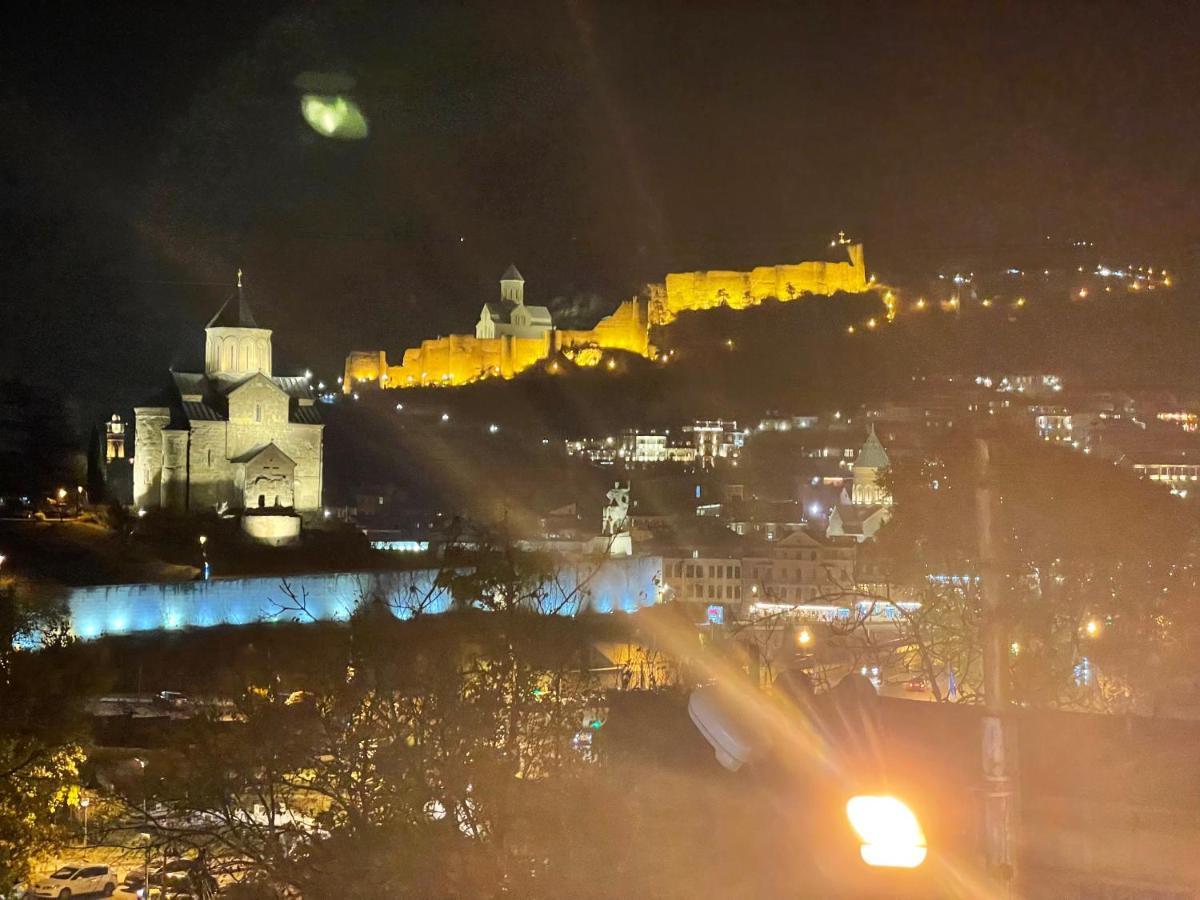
148 454
626 329
463 358
610 585
740 290
274 530
213 477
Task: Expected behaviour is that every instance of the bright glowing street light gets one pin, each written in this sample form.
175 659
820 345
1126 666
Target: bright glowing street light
891 835
804 637
1092 627
203 539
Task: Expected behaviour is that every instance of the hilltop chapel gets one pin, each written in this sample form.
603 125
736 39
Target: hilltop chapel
511 315
233 437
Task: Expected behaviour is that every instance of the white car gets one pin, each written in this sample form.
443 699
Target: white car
77 880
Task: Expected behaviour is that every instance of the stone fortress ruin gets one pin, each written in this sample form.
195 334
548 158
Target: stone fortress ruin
511 336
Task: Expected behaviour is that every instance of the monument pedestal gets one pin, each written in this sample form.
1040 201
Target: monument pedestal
275 529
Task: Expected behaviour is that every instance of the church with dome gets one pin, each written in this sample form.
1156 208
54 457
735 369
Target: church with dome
867 506
234 437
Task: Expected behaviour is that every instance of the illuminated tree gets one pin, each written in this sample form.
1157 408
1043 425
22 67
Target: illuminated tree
404 765
39 738
1094 566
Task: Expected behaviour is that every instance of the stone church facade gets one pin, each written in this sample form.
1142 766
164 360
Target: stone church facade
235 436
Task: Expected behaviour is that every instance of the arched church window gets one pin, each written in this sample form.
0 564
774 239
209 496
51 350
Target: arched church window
258 412
262 501
228 353
251 357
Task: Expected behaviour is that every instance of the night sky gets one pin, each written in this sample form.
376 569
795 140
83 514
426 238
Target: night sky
149 150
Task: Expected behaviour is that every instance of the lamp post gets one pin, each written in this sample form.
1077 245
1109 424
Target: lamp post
146 818
999 813
204 555
147 836
78 499
84 803
62 496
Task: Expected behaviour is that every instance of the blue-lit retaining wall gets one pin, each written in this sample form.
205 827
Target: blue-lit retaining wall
624 584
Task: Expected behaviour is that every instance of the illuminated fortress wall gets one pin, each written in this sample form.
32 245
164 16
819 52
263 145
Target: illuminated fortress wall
462 358
739 290
628 328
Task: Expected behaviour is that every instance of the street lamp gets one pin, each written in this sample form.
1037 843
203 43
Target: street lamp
146 817
204 555
1092 628
147 837
84 803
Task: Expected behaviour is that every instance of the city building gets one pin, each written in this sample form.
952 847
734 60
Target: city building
234 436
800 569
704 576
775 422
715 439
643 446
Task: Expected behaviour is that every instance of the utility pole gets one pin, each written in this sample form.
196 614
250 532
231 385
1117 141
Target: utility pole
999 809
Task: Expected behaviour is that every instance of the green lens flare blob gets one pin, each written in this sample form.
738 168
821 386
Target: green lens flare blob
335 117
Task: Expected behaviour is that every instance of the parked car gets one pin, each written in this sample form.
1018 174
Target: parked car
76 880
171 699
917 685
170 882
